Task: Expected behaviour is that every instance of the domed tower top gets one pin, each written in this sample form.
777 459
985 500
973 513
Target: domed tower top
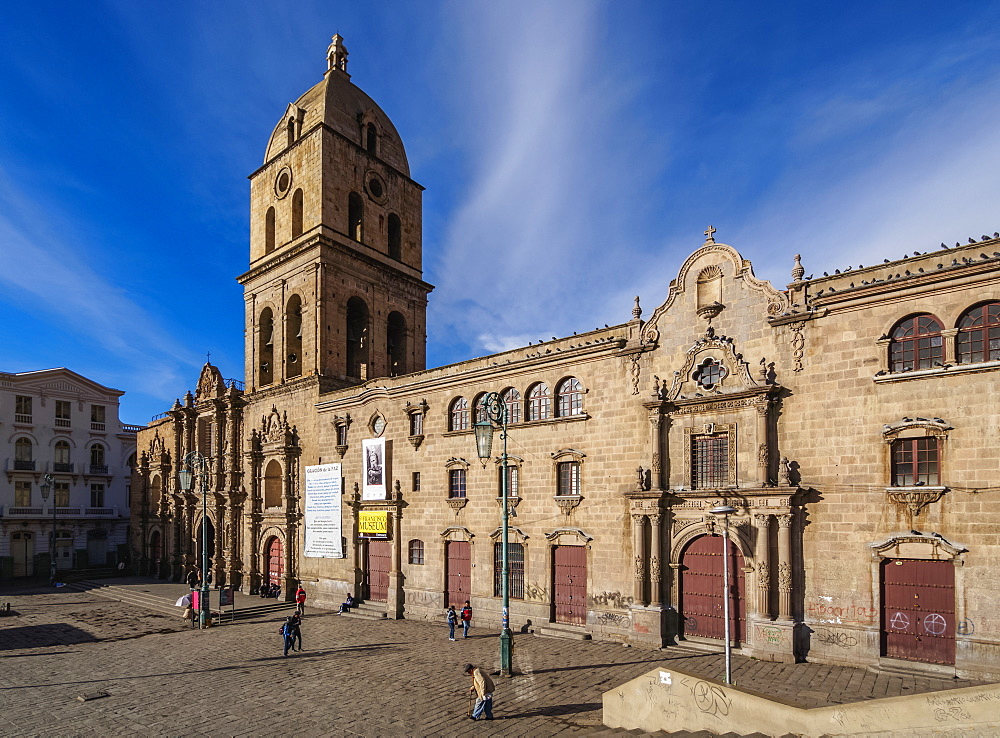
338 104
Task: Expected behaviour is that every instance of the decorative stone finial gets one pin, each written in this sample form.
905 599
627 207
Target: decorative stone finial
336 55
798 270
636 311
709 238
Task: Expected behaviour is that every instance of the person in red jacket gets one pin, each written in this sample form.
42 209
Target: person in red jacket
466 619
300 601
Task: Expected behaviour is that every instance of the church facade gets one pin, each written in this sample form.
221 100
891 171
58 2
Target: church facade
851 420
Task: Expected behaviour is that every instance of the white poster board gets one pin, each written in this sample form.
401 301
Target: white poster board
374 469
322 514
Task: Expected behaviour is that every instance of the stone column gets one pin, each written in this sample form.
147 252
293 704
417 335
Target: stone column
655 578
948 339
655 443
763 606
395 601
785 567
639 552
762 448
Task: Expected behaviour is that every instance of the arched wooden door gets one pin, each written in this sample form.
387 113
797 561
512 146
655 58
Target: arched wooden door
701 589
22 548
275 562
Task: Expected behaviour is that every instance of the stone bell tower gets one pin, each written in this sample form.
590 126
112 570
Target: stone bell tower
335 286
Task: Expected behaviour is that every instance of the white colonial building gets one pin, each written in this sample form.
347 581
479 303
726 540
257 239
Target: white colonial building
67 468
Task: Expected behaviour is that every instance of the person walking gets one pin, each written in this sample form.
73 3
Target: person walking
297 622
482 685
466 619
288 631
452 622
300 601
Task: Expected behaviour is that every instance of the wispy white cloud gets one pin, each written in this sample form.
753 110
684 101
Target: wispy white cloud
554 168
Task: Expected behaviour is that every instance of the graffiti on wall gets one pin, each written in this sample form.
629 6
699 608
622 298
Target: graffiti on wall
613 599
827 612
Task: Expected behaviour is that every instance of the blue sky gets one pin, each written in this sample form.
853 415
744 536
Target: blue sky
573 153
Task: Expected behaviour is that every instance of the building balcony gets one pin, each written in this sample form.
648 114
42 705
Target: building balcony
63 423
62 468
101 469
14 512
99 427
132 428
21 465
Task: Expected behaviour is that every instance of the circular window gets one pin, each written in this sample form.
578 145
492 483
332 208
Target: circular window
375 187
283 182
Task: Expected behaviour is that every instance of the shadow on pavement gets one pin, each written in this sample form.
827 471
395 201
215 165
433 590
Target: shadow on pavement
42 636
555 710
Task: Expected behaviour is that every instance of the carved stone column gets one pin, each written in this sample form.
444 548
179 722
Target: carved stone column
656 547
655 411
785 567
763 605
639 554
763 453
396 598
948 338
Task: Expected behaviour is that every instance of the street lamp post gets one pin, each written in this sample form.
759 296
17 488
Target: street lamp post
48 485
495 411
197 465
724 511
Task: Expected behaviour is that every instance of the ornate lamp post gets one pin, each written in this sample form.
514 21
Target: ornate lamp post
47 486
495 411
724 511
194 464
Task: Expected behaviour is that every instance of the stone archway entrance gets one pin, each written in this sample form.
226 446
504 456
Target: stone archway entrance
701 604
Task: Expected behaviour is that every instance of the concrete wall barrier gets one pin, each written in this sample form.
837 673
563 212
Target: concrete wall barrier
667 699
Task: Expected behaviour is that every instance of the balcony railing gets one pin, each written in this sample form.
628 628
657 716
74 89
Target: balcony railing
60 467
97 426
238 384
98 468
62 513
131 428
63 423
19 418
21 465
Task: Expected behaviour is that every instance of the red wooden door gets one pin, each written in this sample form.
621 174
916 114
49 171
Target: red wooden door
918 610
275 562
569 584
458 572
377 559
701 589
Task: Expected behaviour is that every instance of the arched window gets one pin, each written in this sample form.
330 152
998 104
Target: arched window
478 412
395 337
97 455
61 460
269 231
916 344
458 415
272 484
265 327
416 551
395 238
357 338
293 337
371 139
512 399
291 131
979 334
355 216
539 402
155 490
297 213
570 394
22 449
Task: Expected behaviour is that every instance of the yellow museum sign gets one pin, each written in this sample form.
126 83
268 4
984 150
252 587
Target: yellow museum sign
373 524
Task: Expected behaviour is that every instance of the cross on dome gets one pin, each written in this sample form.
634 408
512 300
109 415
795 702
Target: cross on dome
708 234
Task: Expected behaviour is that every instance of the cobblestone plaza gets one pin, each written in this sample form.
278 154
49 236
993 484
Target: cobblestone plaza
355 677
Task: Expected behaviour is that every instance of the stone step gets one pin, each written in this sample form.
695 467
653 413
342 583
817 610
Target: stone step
556 630
367 611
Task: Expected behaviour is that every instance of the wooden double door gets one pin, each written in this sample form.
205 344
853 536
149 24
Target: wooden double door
378 557
918 610
569 584
457 573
